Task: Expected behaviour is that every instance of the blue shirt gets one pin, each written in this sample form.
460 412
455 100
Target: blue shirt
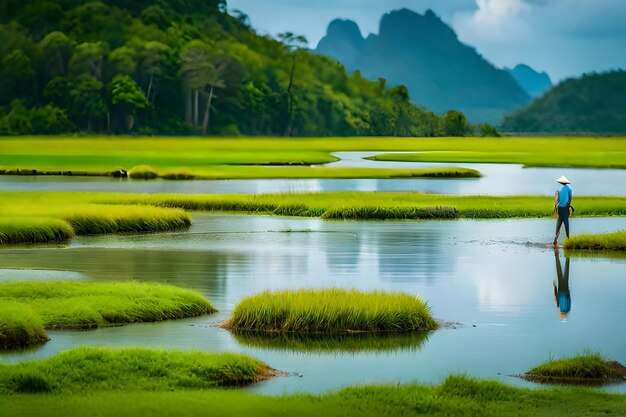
565 195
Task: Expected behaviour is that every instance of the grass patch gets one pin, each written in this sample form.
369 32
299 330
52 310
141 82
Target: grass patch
331 311
334 343
20 326
53 218
144 172
69 304
372 205
615 241
456 396
108 369
109 154
588 368
30 230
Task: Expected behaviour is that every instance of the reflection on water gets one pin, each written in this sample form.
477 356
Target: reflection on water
562 297
488 274
319 343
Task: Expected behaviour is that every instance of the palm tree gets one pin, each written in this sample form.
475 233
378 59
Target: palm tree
294 44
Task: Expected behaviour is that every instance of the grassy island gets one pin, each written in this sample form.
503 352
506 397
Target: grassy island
131 369
582 369
331 311
27 308
615 241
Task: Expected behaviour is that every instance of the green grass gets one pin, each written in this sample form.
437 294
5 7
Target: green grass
588 367
615 241
325 343
456 396
20 326
199 155
371 205
24 213
331 311
50 218
134 369
18 230
28 307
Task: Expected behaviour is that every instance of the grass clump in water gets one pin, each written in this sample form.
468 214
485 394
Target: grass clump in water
586 368
145 172
68 304
20 326
615 241
134 369
331 311
30 230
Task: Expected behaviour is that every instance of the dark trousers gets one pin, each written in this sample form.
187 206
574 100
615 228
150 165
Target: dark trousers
563 219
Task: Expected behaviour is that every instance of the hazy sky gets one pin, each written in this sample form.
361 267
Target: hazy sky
563 37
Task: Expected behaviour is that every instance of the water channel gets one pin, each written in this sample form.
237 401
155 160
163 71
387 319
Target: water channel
496 283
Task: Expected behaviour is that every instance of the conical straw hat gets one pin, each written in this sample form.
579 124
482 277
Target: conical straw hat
563 180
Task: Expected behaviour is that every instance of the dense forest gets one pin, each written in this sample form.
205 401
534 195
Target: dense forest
594 103
184 67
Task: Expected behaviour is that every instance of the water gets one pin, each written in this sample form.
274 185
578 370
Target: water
494 279
498 179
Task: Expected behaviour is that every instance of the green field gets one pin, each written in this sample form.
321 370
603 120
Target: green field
456 396
27 308
214 158
331 311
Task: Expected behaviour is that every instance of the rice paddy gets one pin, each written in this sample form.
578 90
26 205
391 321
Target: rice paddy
331 311
615 241
588 368
26 308
131 369
456 396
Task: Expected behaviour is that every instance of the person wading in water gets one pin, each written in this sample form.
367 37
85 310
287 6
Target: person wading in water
562 204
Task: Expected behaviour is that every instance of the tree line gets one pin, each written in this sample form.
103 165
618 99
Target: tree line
177 67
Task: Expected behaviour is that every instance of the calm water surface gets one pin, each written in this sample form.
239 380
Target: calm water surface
498 179
495 279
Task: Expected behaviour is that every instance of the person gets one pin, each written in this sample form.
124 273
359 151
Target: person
562 297
562 203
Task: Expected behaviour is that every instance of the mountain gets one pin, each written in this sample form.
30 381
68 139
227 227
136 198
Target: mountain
533 82
594 103
182 67
424 54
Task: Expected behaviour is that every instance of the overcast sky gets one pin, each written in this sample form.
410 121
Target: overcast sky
563 37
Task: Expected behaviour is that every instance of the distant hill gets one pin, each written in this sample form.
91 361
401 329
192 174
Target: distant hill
533 82
593 103
424 54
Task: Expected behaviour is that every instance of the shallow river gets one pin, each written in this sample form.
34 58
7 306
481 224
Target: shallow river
494 279
498 179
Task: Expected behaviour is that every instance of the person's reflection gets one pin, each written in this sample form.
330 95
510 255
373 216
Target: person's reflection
562 296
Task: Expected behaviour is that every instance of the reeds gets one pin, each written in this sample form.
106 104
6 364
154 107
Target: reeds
30 230
587 367
331 311
68 304
615 241
131 369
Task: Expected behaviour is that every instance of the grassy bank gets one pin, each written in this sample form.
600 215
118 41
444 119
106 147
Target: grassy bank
50 218
108 154
108 369
373 205
331 311
16 230
29 307
457 396
615 241
586 368
35 217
